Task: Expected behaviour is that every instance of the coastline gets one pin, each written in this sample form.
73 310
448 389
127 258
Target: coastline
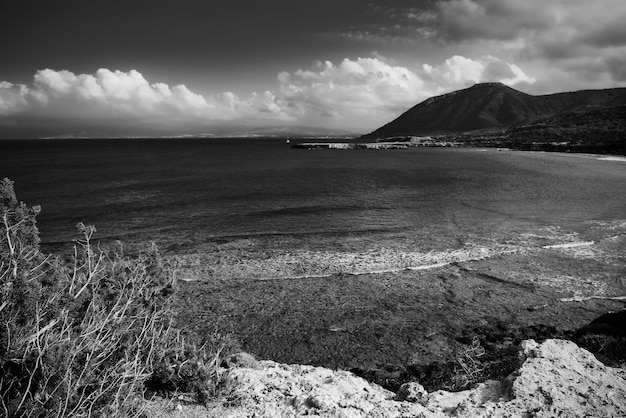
388 144
349 319
275 269
248 258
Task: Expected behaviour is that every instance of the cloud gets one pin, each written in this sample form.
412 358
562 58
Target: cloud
459 71
567 44
616 65
12 97
394 25
611 34
361 86
492 19
584 40
373 90
535 21
364 92
115 94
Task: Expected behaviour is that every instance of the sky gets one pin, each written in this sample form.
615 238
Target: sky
164 67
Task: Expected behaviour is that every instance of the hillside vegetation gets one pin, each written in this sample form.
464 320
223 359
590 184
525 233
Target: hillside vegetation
594 130
592 118
90 335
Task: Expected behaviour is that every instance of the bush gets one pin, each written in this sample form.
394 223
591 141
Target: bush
80 338
469 368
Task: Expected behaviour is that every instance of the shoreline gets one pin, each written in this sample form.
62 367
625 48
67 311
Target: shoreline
434 143
379 308
468 257
278 266
395 325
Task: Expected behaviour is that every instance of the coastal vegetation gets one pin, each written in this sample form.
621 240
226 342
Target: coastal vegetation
595 130
91 334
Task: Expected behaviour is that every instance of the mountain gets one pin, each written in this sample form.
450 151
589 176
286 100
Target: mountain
490 106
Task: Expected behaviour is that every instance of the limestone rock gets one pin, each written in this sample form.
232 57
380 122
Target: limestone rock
412 392
294 390
557 378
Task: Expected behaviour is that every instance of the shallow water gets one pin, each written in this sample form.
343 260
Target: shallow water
191 194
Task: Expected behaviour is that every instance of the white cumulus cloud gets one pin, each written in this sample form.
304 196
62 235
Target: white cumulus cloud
12 97
459 71
494 19
362 86
361 93
126 94
374 91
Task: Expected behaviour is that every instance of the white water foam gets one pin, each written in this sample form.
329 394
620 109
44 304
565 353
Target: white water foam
583 298
569 245
613 158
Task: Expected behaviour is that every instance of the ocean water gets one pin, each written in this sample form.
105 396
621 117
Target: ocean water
189 195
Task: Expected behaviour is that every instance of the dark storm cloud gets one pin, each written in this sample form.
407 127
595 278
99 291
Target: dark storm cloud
612 66
463 20
617 67
551 28
613 34
452 20
571 43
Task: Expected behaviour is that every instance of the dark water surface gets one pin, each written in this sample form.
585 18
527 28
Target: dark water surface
186 193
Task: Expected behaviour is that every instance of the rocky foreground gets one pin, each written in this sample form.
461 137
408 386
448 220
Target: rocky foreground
557 378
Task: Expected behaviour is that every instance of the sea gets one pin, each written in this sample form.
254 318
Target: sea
189 195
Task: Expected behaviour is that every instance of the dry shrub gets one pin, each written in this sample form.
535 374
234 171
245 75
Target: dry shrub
81 338
468 369
186 367
470 365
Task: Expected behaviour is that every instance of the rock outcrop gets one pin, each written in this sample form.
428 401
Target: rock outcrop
557 378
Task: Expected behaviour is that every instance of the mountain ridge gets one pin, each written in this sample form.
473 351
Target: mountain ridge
487 106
